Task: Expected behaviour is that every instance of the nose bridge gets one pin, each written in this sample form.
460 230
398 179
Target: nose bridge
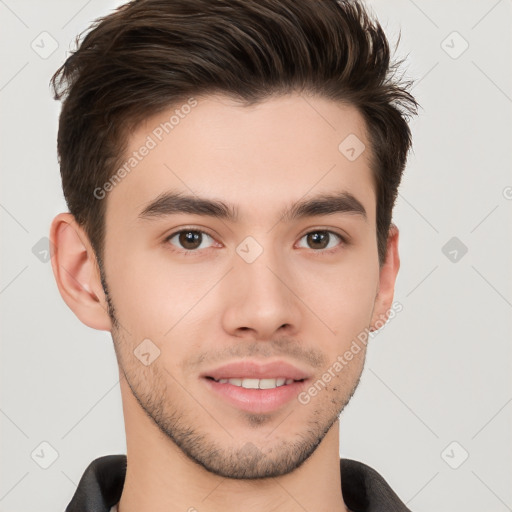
257 264
260 297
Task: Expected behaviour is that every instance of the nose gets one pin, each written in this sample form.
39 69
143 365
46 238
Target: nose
259 298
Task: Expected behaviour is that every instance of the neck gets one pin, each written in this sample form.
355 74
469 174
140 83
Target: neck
161 478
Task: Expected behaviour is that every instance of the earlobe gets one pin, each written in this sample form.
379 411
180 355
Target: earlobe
76 272
387 279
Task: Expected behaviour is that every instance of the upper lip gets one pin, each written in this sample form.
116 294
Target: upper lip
254 370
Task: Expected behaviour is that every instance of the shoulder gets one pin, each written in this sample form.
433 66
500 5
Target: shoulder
364 489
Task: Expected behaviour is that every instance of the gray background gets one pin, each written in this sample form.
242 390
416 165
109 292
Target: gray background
436 386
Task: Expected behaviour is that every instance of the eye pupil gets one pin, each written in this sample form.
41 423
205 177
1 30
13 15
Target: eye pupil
189 239
319 236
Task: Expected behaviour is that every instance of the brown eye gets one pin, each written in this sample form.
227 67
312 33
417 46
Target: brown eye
319 240
189 239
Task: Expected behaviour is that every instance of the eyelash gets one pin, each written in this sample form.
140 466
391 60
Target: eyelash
189 252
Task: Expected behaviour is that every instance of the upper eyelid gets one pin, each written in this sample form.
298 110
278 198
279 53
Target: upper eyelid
343 237
181 230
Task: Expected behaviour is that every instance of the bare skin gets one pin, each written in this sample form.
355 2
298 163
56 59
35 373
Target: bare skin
298 302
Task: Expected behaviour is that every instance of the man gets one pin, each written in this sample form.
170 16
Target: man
230 168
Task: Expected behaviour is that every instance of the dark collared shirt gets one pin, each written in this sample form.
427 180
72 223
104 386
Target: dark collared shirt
363 489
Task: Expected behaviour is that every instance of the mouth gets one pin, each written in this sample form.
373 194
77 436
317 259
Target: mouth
254 387
249 383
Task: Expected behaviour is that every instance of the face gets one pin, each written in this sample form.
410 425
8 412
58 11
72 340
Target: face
214 301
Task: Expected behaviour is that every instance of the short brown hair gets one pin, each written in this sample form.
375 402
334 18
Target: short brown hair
149 55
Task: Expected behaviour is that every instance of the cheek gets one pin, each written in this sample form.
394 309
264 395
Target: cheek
154 297
341 296
137 290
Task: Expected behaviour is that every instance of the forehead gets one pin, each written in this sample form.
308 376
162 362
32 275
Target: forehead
257 158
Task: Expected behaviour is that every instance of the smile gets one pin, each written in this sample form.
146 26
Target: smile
249 383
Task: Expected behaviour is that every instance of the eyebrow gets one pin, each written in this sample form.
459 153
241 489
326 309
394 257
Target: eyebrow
171 203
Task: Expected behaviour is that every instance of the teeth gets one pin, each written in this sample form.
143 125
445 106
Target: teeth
257 383
268 383
250 383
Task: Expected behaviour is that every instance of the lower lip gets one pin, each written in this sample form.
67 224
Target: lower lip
256 400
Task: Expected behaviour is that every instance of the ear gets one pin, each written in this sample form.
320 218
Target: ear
77 274
387 278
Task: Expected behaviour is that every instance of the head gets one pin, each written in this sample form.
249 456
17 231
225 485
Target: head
217 119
